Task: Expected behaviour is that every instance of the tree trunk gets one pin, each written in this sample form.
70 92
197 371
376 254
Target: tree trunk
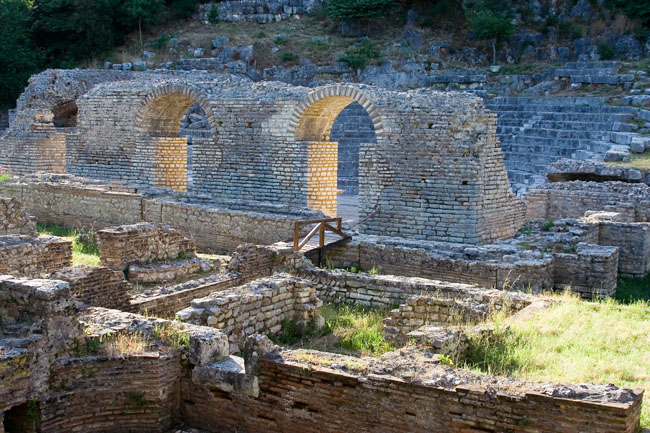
494 52
140 30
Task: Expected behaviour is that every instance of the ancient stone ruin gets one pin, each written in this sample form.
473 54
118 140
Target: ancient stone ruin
203 257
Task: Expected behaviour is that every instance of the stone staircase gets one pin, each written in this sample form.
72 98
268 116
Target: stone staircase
593 73
535 132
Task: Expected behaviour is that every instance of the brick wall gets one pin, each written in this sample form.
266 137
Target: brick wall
298 396
633 243
142 242
137 393
96 286
170 163
24 256
322 176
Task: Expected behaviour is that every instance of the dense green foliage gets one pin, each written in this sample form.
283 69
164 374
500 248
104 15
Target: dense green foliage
35 34
489 20
358 10
635 9
20 57
358 56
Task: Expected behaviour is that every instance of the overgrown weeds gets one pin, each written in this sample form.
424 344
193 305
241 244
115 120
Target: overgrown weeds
84 243
574 341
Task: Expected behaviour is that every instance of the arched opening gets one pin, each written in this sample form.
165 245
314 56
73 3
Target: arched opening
160 124
24 418
194 128
65 115
335 128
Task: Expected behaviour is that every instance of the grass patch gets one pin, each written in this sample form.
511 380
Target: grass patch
574 341
632 289
84 245
640 161
349 329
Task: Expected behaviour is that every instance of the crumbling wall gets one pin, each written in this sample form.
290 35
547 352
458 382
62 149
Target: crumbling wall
14 220
25 256
257 307
96 286
142 242
126 394
305 391
559 200
633 243
387 290
591 270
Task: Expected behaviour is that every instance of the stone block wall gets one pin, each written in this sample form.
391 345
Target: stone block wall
559 200
296 395
447 262
591 271
214 226
142 242
96 286
38 326
170 163
24 256
633 243
257 307
387 290
135 393
14 220
322 189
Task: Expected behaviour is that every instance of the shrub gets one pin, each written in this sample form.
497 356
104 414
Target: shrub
183 8
444 14
358 10
605 51
260 34
357 57
281 40
213 14
162 41
548 224
4 174
286 56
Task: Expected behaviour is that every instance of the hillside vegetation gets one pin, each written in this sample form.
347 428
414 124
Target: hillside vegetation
38 34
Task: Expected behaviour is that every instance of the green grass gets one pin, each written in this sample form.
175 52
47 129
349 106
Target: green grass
640 161
349 329
84 248
573 342
632 289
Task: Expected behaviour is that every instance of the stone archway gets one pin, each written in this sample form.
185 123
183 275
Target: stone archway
312 123
158 129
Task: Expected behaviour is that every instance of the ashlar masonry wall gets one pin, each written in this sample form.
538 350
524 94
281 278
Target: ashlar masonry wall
435 172
14 220
25 256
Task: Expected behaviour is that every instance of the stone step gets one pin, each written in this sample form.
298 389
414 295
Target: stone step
568 117
602 79
600 64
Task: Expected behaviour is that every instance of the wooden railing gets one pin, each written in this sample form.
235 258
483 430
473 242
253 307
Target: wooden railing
322 225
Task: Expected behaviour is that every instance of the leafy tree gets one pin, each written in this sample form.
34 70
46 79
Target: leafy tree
20 57
358 10
73 30
145 12
489 21
635 9
182 8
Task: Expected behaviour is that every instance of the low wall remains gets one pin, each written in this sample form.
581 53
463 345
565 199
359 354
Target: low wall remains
25 256
96 286
557 200
309 391
257 307
14 220
141 242
633 243
220 226
134 393
387 290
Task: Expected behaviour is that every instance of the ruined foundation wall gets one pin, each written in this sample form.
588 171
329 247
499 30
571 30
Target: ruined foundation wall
258 307
559 200
96 286
14 220
24 256
100 205
315 398
633 243
136 393
142 242
387 290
